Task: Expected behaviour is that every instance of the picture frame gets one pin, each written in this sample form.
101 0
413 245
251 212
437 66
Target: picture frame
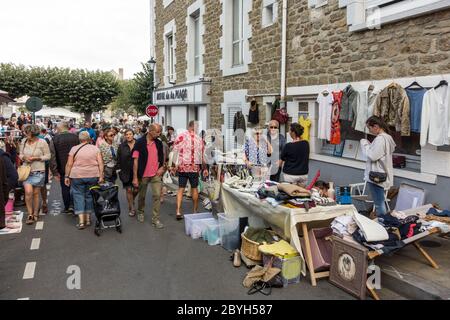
348 269
360 154
339 149
350 149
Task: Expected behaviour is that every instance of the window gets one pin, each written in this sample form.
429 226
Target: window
170 56
234 41
238 36
373 14
197 40
194 41
270 13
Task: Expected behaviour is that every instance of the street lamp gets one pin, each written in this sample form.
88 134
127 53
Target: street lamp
152 65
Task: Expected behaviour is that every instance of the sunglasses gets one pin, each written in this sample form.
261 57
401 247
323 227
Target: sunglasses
273 127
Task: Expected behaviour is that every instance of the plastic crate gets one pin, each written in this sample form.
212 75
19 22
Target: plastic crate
189 218
211 232
290 268
199 227
230 236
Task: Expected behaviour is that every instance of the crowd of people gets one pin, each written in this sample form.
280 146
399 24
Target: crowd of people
137 154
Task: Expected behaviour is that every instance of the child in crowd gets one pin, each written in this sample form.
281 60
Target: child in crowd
322 187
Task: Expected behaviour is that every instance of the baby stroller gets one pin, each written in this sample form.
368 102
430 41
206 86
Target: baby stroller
106 207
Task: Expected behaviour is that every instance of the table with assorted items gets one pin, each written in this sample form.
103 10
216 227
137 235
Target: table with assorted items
240 202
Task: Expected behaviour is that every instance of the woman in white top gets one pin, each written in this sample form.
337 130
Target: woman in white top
379 159
34 152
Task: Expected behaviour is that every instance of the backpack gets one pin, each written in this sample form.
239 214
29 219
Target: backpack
281 115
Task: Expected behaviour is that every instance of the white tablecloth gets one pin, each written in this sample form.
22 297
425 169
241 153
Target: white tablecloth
282 219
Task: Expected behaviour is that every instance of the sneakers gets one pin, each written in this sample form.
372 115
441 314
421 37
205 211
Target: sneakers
157 224
237 258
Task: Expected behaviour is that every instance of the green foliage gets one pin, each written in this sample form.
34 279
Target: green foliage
142 89
86 91
123 102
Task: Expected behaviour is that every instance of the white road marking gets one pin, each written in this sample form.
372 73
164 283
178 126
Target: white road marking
40 225
23 299
29 270
35 243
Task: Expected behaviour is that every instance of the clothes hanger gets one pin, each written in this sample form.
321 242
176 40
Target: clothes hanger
441 84
415 83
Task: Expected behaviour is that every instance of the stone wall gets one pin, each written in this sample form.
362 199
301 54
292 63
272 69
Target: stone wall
321 50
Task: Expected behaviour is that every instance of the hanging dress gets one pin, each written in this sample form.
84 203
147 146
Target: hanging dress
335 122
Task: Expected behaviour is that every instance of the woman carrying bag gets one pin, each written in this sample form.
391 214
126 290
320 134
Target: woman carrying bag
108 151
33 154
379 173
84 170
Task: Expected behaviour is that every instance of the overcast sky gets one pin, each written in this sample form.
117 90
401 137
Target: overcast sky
87 34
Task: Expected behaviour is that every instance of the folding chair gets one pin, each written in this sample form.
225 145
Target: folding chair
359 192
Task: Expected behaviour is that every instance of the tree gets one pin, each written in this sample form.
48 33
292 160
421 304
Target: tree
122 103
86 91
142 89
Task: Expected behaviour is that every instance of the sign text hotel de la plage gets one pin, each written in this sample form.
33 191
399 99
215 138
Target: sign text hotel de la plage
179 94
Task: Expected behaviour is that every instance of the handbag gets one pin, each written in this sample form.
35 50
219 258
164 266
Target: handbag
23 172
281 115
167 179
25 169
379 177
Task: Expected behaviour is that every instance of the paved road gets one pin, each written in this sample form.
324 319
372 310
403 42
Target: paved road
140 263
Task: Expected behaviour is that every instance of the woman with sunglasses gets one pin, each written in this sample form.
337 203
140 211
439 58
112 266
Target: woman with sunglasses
278 141
257 151
108 150
125 165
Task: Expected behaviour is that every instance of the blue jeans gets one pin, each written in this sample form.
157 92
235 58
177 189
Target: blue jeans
377 194
82 198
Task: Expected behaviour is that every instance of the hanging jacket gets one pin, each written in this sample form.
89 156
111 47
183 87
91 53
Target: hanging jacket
349 104
392 105
239 122
253 115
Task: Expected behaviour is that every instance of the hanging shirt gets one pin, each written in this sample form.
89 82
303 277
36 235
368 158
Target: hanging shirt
335 113
325 106
306 124
435 117
415 97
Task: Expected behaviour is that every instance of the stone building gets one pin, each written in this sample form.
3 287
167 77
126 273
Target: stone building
215 56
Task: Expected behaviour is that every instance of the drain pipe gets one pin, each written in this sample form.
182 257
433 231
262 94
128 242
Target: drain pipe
283 54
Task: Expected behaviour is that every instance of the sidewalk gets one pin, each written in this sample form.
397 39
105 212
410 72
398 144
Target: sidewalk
409 274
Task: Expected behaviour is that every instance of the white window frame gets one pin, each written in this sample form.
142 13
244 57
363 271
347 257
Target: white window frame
317 3
233 100
239 30
197 8
170 58
366 14
167 2
266 19
226 40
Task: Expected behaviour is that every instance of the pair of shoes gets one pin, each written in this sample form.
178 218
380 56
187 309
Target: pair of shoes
140 217
132 213
180 217
237 258
30 220
157 224
81 226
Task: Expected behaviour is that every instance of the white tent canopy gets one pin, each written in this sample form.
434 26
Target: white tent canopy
58 112
144 118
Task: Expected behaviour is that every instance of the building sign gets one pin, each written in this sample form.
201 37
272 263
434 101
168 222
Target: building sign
173 95
193 93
